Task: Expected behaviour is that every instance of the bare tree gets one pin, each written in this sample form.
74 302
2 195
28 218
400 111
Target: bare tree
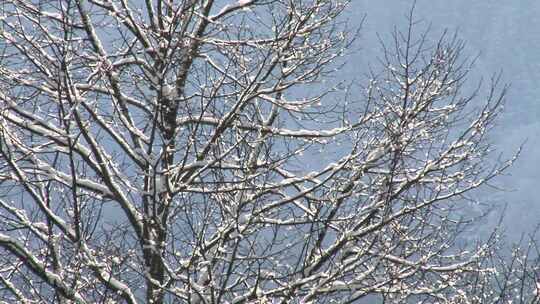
193 151
513 274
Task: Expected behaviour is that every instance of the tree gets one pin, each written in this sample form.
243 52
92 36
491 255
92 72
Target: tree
513 274
187 152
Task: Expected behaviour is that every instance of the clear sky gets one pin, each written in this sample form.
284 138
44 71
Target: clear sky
506 35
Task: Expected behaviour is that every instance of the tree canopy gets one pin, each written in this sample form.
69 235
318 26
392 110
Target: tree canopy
202 151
